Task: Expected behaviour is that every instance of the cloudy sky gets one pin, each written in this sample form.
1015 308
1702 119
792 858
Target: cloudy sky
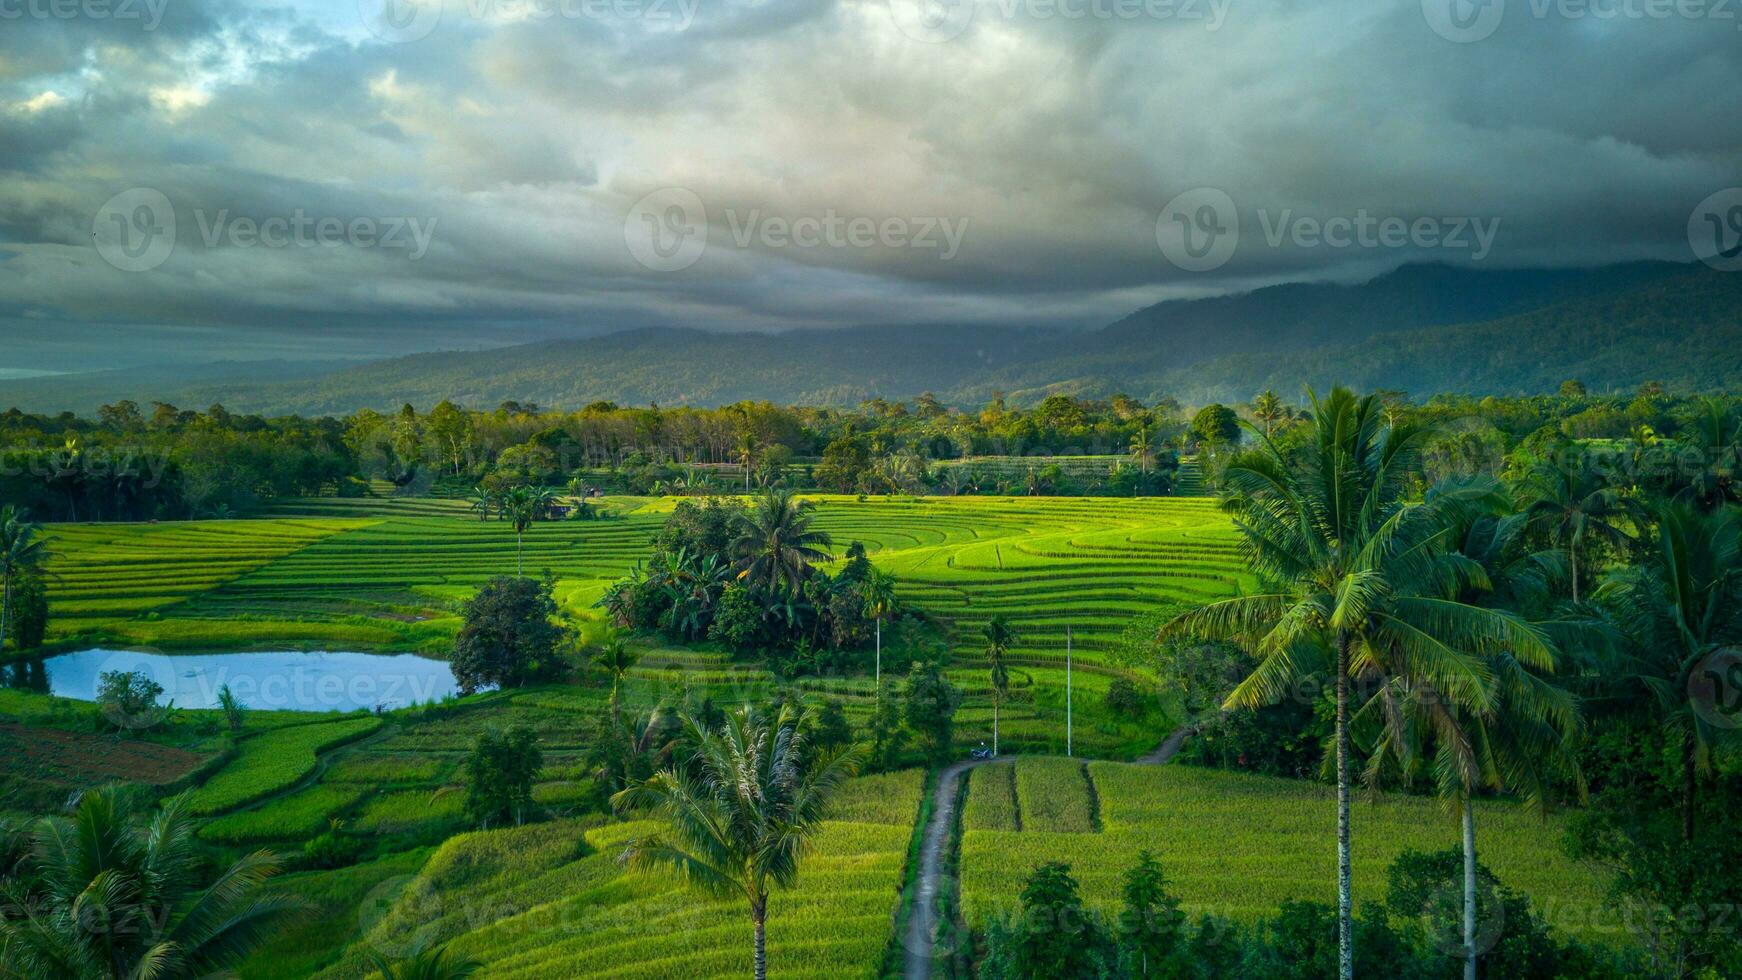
193 178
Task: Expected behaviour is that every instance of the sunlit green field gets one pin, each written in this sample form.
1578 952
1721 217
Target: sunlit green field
388 574
1234 844
551 900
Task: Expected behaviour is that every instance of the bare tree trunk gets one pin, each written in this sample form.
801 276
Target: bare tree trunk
759 914
5 608
1345 886
1469 888
994 723
519 553
879 656
1573 557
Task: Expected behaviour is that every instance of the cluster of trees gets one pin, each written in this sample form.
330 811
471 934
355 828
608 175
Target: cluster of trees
750 580
1449 632
1412 935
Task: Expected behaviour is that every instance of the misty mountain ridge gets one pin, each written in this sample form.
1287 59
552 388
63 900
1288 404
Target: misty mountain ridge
1420 328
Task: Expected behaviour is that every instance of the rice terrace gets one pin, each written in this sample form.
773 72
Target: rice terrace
923 489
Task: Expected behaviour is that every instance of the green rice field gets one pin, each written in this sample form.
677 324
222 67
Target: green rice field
1234 844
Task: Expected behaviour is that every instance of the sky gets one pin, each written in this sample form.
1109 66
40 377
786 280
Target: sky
191 179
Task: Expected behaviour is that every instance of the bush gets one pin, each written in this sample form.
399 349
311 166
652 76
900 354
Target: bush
29 618
500 774
737 620
1123 698
931 705
508 638
127 700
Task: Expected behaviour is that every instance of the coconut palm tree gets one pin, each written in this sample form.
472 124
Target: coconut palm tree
878 590
1268 409
1678 608
776 545
742 816
22 551
1143 442
523 506
1357 583
431 964
999 638
618 660
162 923
482 502
1520 745
746 455
1573 504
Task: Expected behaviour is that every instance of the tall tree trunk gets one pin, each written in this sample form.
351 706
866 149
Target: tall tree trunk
1689 785
5 607
1469 888
519 553
1345 886
1573 557
879 677
759 915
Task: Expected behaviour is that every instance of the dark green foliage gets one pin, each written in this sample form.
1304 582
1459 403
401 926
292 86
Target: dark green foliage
887 736
931 702
1216 425
737 620
845 463
332 849
509 638
829 730
499 776
127 700
1056 937
1124 698
1151 930
27 623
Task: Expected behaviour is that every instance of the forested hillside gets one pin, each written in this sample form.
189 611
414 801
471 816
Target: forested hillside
1423 329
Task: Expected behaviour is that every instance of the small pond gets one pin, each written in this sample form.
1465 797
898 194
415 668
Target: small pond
277 681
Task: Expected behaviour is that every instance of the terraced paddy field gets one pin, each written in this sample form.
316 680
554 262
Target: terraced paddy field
1234 844
389 573
552 900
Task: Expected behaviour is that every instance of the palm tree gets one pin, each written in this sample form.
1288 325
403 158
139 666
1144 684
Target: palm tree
483 502
746 454
1519 745
431 964
1358 582
1678 608
743 815
1143 443
878 590
618 660
21 552
1573 503
522 506
1269 409
999 637
776 545
162 923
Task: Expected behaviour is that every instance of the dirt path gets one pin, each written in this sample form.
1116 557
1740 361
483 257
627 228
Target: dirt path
919 942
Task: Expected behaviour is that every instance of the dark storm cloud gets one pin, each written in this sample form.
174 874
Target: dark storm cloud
853 161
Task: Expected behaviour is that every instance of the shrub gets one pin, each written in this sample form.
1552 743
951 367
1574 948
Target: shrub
1123 698
508 638
127 700
500 774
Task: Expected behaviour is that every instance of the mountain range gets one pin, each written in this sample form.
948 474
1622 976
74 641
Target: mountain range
1423 329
